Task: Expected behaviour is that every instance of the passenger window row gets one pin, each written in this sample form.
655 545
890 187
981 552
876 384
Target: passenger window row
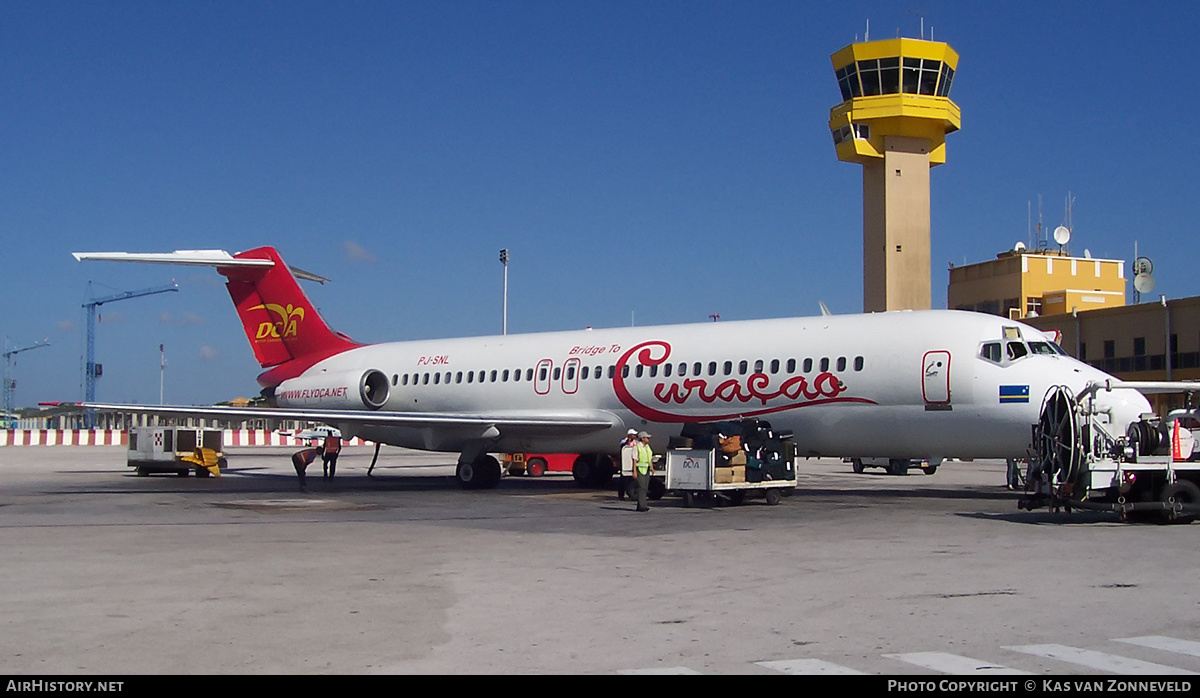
680 370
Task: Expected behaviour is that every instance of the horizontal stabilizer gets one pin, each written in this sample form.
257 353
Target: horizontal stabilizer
195 258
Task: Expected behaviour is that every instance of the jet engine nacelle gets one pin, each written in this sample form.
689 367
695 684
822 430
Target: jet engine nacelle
343 390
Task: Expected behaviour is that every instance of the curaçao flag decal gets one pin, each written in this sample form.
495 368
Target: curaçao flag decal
1014 393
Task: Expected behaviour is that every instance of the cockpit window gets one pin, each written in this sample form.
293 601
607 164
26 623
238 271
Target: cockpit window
991 352
1015 350
1042 348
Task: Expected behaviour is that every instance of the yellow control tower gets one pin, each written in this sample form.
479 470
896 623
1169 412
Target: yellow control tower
893 120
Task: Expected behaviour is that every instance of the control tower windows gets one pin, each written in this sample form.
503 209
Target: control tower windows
884 76
944 81
921 76
861 132
879 76
848 82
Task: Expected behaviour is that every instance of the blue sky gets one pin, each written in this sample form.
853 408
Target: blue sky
649 162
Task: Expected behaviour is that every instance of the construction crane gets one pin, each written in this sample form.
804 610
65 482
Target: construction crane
9 384
92 370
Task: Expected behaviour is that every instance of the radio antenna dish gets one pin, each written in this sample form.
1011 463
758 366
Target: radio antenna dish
1143 279
1062 235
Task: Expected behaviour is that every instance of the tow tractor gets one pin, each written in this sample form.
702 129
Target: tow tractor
176 450
537 464
1077 462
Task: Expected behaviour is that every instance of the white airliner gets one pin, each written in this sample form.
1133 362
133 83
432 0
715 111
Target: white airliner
912 384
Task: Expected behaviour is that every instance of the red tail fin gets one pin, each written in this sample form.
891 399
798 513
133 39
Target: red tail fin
280 322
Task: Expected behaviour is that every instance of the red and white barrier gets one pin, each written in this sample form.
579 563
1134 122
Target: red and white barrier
117 437
62 437
264 437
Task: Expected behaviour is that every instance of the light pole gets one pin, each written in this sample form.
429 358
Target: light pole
504 261
162 367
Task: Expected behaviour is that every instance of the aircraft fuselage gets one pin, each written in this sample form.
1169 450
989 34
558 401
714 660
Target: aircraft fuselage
896 385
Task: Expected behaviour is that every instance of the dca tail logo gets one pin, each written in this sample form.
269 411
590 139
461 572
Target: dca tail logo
286 325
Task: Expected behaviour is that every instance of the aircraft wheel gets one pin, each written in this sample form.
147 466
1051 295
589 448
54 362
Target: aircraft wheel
482 474
467 476
604 471
583 470
490 467
592 470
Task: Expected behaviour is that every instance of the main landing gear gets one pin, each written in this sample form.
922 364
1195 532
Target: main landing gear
483 473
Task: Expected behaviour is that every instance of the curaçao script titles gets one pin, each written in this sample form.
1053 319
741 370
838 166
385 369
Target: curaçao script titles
758 392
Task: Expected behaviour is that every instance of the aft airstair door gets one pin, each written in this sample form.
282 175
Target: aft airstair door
935 380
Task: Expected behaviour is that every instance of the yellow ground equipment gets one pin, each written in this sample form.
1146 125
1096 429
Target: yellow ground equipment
176 450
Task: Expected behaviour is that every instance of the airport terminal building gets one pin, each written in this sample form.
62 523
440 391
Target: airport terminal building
1084 300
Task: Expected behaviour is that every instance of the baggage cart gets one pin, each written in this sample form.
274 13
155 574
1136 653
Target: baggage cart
698 474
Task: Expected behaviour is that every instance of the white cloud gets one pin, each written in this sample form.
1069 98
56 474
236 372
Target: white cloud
356 253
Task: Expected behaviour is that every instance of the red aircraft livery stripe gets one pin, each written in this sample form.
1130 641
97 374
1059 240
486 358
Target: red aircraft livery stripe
824 389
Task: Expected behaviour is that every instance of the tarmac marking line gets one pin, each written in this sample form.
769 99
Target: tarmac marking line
1099 661
1168 644
809 667
947 663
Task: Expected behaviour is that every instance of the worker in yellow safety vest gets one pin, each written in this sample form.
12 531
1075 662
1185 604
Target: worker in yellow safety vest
645 459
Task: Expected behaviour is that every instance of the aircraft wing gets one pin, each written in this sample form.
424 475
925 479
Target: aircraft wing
514 422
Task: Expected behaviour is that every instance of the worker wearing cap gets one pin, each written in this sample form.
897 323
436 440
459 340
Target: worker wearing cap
645 459
628 460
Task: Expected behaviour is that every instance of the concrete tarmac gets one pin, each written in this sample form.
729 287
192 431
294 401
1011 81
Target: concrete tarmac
105 572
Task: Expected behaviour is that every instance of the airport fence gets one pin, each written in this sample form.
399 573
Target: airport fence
117 437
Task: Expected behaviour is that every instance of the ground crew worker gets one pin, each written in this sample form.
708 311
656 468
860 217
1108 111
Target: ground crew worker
645 460
301 459
628 459
332 446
